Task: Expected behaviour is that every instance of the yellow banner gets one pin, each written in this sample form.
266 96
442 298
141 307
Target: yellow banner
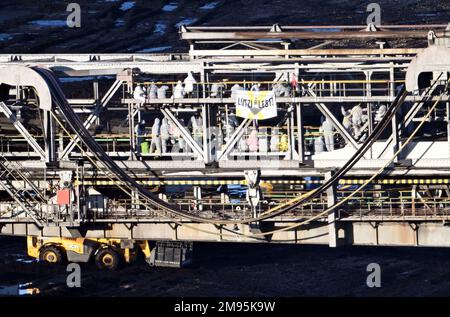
256 105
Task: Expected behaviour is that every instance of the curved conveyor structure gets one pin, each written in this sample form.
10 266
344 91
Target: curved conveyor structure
75 123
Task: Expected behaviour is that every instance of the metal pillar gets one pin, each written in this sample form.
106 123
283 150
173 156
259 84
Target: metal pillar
132 131
369 105
332 217
291 134
300 133
447 106
395 137
395 128
50 146
206 134
198 198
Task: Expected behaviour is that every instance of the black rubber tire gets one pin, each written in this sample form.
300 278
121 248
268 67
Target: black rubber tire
51 254
108 259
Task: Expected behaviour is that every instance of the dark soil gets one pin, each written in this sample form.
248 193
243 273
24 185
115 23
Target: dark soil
107 28
247 270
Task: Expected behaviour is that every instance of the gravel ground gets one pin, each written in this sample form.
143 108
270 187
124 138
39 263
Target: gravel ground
151 26
247 270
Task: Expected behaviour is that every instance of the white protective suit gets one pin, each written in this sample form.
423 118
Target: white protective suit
176 134
152 91
347 120
220 139
281 90
139 130
243 146
255 87
275 140
197 130
318 145
189 83
139 93
162 92
381 112
328 134
156 141
262 141
217 90
235 89
357 120
165 135
252 141
178 91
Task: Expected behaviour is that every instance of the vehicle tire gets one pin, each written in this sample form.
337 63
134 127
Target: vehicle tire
50 254
108 259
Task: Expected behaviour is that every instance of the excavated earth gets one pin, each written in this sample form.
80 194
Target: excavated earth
228 270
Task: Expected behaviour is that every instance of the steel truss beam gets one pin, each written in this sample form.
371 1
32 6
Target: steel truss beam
327 113
7 171
93 116
237 134
407 119
22 130
185 133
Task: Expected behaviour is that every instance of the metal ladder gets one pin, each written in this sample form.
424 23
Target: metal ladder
26 197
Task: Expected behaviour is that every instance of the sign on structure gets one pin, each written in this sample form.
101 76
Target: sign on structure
256 105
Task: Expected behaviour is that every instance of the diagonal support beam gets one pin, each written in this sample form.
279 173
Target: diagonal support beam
407 119
327 113
93 116
6 171
25 208
185 133
22 130
234 138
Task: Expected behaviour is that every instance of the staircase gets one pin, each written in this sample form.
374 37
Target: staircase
27 197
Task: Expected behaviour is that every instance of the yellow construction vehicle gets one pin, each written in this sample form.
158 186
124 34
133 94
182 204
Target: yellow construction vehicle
109 254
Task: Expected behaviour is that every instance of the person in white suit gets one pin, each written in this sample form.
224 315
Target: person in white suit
139 94
189 83
275 140
235 89
165 135
197 128
152 91
155 145
179 92
327 129
162 92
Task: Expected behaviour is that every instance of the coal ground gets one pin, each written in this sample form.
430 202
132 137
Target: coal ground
152 26
238 270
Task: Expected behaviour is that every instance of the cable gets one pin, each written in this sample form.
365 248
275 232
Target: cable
329 209
79 128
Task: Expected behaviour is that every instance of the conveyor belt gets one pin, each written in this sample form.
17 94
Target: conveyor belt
209 182
75 123
379 128
78 127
